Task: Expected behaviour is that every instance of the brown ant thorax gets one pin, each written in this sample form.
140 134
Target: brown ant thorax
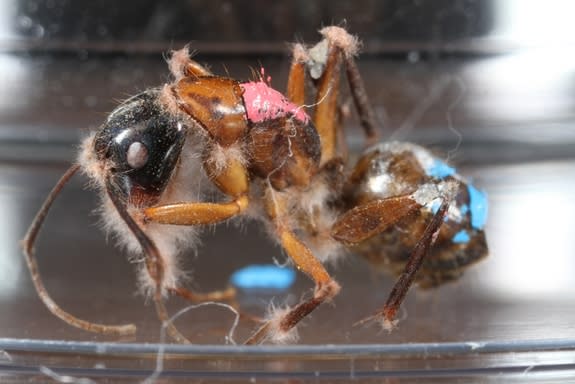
395 169
277 137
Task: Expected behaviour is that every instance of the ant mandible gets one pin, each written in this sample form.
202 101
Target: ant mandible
400 207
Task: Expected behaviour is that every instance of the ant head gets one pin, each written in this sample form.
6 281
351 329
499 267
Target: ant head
140 144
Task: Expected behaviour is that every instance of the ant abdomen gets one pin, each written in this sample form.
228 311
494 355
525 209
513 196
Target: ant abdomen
397 169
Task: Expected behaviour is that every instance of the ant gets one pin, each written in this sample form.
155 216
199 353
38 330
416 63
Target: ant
160 155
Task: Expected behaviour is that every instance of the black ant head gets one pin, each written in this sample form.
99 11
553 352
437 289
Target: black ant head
140 143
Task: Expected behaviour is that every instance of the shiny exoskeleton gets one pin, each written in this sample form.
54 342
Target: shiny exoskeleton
204 149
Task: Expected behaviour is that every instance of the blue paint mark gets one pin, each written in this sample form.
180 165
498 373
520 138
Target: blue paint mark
464 209
461 237
439 170
264 277
477 207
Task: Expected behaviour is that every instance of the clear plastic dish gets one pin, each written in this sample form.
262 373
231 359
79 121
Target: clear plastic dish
504 117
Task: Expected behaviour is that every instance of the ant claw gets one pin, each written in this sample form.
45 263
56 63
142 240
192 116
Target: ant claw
386 323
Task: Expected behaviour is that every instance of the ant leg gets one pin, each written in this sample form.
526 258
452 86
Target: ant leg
324 63
181 65
195 213
28 248
232 180
227 294
387 314
347 45
162 313
193 68
328 118
342 47
154 261
326 100
278 329
367 220
361 101
296 78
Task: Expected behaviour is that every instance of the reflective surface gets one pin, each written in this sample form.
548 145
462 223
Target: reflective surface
512 113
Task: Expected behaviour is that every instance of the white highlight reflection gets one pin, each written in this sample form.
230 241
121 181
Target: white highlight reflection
532 238
16 74
536 82
531 85
7 19
535 22
10 233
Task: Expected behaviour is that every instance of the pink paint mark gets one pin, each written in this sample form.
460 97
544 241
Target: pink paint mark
265 103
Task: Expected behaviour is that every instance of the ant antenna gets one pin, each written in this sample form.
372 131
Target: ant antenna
28 247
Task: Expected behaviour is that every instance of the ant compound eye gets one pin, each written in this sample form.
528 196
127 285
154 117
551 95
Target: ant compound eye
137 155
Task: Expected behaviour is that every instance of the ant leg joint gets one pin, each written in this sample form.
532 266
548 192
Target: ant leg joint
327 291
299 53
342 39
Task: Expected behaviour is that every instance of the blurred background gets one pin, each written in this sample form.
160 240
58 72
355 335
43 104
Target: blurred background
489 85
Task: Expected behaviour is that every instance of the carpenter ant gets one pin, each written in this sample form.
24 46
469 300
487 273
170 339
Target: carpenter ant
162 152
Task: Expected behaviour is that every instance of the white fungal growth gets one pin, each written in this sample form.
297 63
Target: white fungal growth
426 194
275 332
90 165
178 61
187 183
342 39
317 59
220 157
299 53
